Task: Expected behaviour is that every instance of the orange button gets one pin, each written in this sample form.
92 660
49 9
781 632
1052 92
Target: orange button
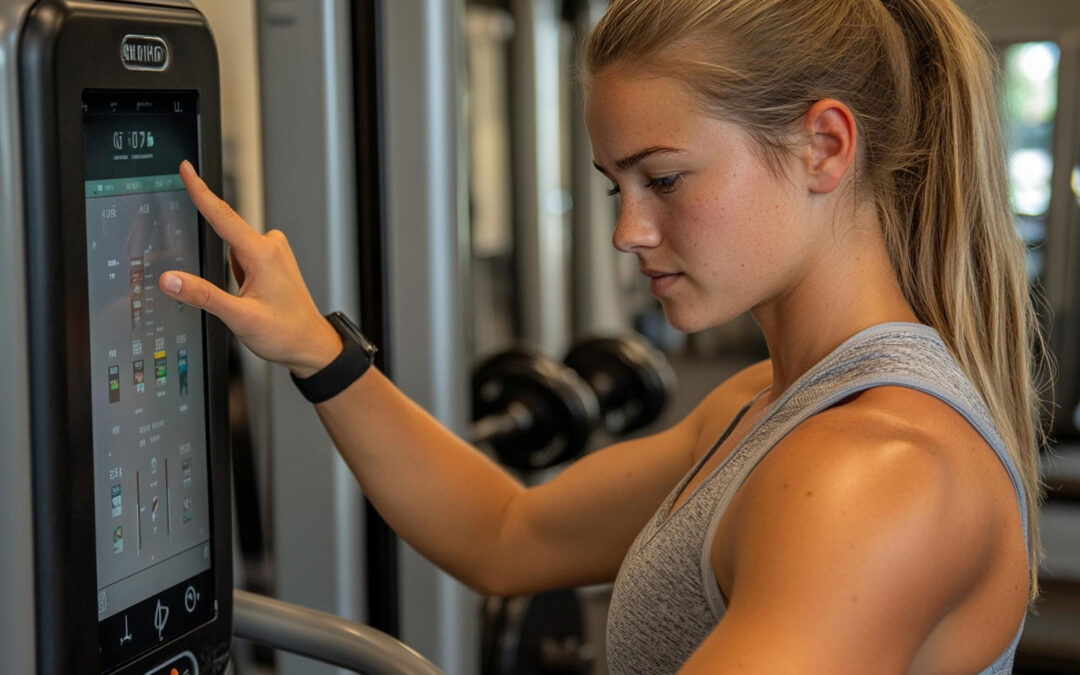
174 671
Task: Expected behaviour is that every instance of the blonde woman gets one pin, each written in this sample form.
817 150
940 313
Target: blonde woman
863 501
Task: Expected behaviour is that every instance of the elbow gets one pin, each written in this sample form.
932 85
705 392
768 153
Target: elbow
492 573
491 564
489 579
486 589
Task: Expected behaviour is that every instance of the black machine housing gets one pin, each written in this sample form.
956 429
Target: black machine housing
67 47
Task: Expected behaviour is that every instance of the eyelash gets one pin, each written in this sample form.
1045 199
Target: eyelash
663 184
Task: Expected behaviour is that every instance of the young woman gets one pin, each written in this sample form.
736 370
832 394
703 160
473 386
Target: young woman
863 501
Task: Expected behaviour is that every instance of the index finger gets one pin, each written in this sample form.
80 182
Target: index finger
225 221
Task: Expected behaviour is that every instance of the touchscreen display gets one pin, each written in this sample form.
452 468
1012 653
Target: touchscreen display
151 469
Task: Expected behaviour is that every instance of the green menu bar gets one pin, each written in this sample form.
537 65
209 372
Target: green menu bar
126 186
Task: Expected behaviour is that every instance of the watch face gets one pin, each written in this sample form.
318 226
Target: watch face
346 328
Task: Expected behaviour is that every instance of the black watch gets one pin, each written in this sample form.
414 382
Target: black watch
355 358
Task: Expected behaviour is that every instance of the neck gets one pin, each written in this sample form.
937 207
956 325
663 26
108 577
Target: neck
840 293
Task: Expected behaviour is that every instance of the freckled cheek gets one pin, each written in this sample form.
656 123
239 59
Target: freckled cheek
728 242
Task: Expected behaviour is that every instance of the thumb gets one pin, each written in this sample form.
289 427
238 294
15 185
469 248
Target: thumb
198 292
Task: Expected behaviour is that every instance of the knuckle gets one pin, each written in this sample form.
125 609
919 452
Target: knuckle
201 296
278 237
224 210
278 244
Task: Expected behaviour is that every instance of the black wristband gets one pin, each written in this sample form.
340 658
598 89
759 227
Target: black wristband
356 357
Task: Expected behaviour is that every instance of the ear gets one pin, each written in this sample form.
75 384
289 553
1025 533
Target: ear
833 136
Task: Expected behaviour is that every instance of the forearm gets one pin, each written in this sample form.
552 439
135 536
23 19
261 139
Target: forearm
441 495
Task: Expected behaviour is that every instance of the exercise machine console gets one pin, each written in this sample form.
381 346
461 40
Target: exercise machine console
119 410
127 417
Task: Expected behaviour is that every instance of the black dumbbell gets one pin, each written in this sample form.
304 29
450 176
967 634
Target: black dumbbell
632 379
532 411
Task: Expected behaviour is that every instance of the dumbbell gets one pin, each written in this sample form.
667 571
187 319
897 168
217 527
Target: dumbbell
632 379
532 411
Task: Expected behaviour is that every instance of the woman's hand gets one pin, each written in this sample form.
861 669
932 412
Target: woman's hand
273 313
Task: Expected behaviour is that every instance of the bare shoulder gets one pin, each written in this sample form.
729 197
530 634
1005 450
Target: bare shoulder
889 494
899 451
880 455
902 432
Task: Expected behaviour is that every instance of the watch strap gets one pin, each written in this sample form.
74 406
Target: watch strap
356 356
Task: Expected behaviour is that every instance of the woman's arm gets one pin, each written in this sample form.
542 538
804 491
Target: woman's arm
445 498
463 512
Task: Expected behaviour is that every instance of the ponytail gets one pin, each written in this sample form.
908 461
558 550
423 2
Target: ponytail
951 234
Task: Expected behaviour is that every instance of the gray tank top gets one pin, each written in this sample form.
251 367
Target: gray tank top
666 600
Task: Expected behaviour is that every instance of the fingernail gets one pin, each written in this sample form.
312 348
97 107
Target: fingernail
187 164
171 283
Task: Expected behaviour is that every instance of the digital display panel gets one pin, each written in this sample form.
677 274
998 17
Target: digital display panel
146 373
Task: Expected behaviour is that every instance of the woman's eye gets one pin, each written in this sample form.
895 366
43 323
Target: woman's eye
664 184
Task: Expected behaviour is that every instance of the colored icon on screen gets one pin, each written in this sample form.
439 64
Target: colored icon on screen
117 509
137 280
181 370
114 384
159 368
139 376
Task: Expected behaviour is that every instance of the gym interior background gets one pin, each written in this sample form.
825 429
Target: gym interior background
457 125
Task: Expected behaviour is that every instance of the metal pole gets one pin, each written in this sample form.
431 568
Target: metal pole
542 202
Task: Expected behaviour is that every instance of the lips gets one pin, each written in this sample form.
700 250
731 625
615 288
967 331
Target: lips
654 274
660 280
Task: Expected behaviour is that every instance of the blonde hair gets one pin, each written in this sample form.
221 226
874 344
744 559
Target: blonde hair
920 81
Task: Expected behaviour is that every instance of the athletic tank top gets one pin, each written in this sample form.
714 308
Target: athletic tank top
666 600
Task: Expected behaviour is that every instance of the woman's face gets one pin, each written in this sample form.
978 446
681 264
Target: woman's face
716 231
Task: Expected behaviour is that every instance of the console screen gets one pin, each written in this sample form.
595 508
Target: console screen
151 468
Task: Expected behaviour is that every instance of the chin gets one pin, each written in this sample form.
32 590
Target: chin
684 321
687 320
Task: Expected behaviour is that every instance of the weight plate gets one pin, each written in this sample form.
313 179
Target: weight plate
632 380
562 408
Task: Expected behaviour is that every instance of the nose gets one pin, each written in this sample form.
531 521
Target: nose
635 228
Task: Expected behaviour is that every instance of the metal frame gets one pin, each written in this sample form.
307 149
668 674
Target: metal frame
427 250
596 263
379 540
540 214
324 637
16 505
306 99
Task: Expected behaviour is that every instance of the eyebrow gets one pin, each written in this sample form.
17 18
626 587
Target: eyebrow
630 161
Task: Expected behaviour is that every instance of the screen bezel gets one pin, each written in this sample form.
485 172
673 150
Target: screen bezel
68 47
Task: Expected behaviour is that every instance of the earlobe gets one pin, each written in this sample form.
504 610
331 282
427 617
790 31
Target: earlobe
833 136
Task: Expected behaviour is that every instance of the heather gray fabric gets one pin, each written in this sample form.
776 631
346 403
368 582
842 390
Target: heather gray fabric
666 601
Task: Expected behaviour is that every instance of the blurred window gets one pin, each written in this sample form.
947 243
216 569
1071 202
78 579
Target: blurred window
1029 108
